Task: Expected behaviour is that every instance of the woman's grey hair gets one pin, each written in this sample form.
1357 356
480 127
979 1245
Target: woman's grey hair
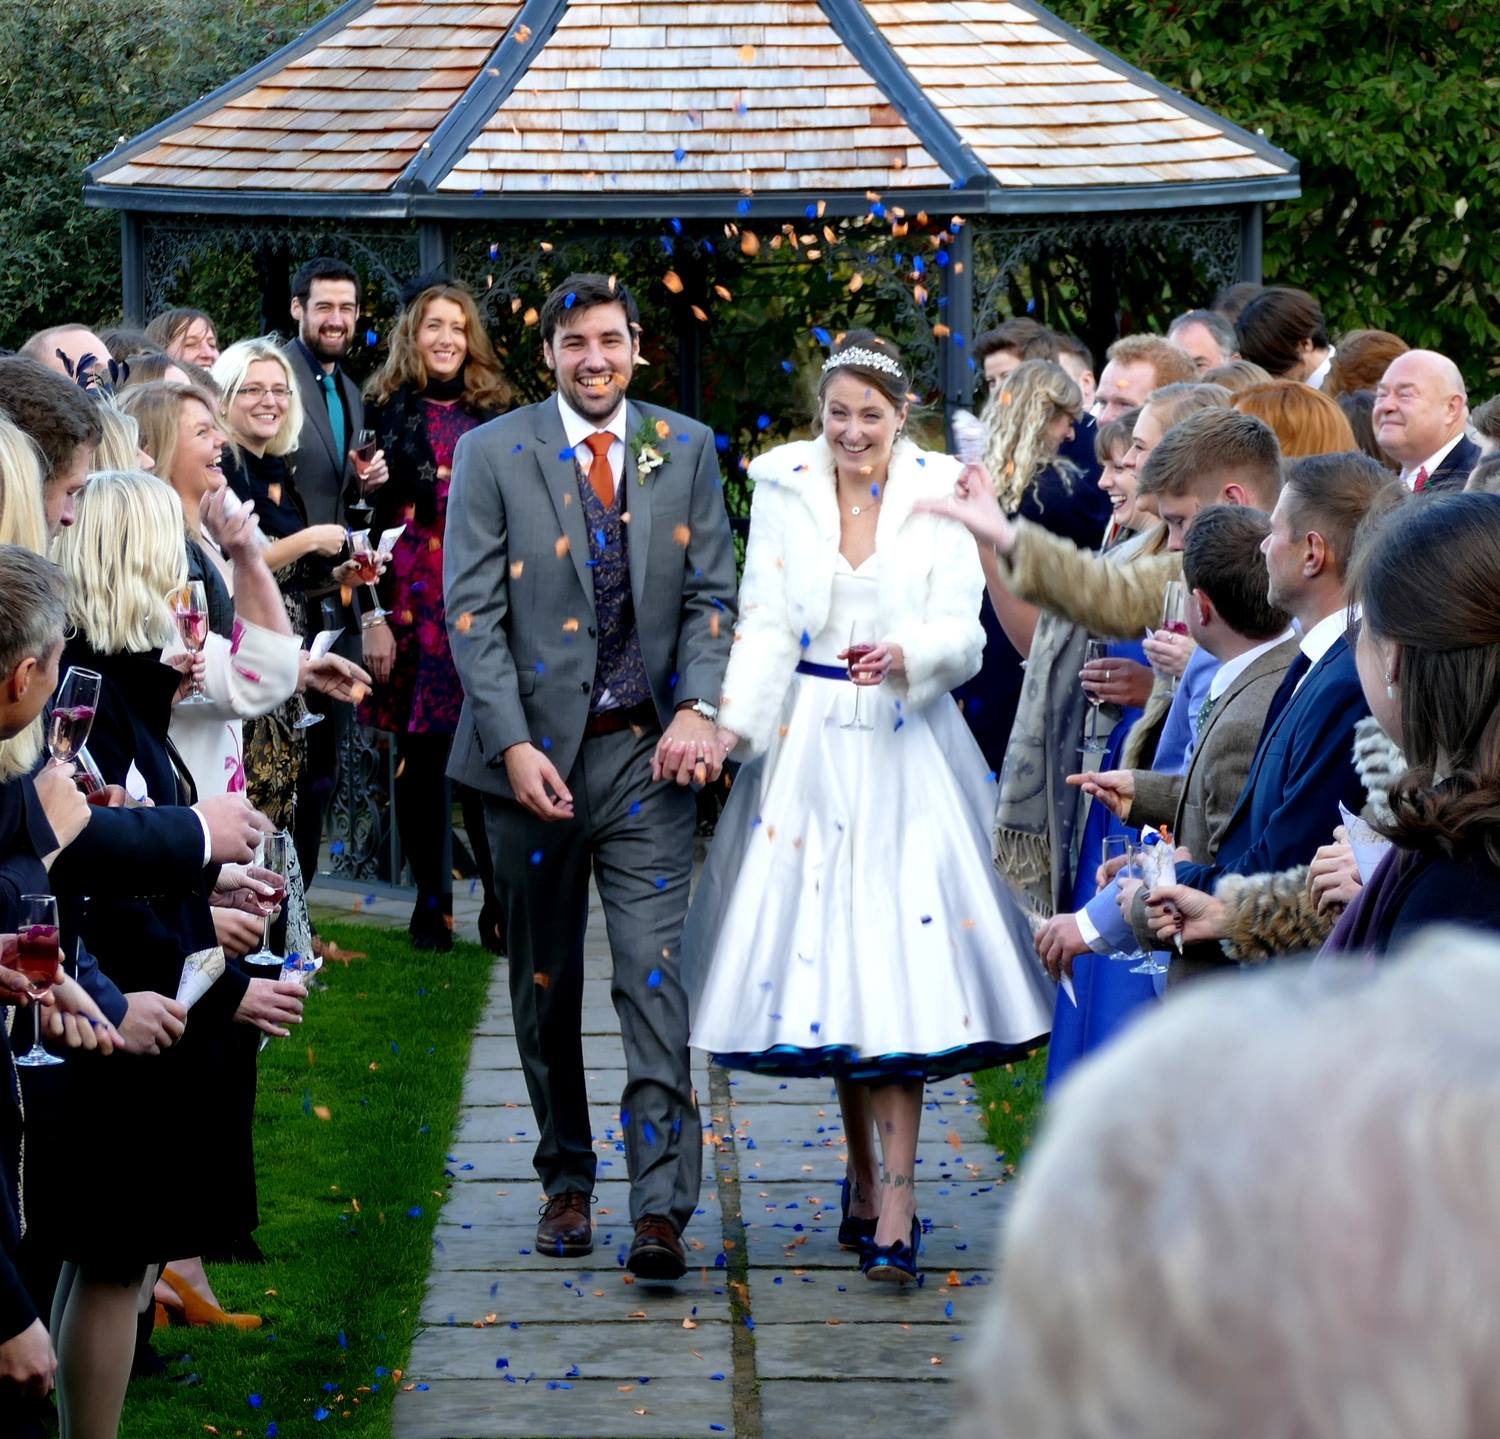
1268 1210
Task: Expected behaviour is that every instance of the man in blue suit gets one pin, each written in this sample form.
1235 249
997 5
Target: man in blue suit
1303 765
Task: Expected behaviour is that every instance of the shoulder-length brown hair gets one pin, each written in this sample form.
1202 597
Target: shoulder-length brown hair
1427 578
1305 420
485 387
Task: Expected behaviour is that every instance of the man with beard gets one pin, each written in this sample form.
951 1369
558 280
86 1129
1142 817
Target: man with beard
325 305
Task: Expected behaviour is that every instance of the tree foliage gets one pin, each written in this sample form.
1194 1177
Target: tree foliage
1393 109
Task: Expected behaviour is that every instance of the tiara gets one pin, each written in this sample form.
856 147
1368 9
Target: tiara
870 359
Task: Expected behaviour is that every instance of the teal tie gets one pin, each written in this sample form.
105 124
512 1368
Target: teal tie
335 412
1205 711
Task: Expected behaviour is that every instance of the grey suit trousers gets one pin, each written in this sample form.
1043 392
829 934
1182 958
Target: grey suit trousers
636 837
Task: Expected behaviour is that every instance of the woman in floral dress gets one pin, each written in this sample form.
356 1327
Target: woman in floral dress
440 380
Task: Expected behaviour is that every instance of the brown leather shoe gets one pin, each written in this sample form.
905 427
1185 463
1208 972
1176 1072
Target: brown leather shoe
656 1252
565 1229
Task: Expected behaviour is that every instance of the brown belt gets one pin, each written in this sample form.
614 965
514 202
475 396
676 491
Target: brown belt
637 717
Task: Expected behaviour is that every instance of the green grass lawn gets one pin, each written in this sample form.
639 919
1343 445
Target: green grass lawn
1011 1104
354 1117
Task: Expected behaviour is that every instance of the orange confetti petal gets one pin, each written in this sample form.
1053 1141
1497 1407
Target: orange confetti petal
747 54
673 281
699 313
562 546
749 243
465 622
322 1111
531 316
683 536
542 981
522 34
722 291
663 430
570 627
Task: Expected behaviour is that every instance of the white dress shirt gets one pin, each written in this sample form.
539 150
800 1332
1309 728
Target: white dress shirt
1430 464
1231 670
579 429
1320 375
1321 638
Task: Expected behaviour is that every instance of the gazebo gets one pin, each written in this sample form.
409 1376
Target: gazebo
455 134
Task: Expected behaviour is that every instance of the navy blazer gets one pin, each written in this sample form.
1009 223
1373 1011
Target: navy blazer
1449 477
1303 768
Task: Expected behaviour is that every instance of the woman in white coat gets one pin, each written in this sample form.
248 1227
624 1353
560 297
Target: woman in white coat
849 920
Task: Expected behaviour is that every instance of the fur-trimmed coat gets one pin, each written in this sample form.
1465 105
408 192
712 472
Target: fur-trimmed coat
930 582
1272 914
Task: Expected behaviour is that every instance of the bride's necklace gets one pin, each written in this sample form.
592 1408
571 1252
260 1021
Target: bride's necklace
870 504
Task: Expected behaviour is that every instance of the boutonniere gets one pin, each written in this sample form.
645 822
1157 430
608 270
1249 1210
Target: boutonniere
649 454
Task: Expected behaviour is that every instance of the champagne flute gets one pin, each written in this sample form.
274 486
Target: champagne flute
1123 847
273 857
361 455
36 961
1158 867
861 642
1093 651
190 610
366 557
1174 615
73 714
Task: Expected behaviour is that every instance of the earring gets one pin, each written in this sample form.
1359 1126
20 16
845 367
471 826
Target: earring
1390 686
900 432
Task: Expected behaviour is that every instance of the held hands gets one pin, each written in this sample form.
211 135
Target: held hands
536 784
689 750
271 1003
380 651
1115 790
1333 877
1169 653
63 803
974 506
1117 681
236 534
335 676
883 660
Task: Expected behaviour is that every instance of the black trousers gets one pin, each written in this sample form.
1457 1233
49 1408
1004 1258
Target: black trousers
316 780
424 809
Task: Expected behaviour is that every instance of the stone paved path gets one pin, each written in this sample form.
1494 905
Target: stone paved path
773 1334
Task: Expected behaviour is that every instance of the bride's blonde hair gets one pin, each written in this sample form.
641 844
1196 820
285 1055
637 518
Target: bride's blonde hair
1034 394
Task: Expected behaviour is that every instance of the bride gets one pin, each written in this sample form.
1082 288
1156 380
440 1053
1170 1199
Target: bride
849 920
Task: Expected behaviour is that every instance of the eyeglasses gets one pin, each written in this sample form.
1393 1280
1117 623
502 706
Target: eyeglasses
280 393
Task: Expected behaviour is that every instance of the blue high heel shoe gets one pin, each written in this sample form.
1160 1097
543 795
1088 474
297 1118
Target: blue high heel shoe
893 1263
854 1233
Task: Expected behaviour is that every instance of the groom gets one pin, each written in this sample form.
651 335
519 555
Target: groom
590 580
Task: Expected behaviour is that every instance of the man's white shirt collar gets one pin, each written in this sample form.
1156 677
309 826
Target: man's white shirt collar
579 429
1431 463
1319 375
1231 670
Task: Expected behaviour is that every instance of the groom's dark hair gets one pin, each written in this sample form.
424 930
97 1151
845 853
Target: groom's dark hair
582 292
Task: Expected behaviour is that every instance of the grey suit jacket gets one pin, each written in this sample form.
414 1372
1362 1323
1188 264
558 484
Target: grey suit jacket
320 464
1197 806
520 595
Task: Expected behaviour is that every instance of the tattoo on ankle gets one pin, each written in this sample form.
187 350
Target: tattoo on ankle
899 1181
856 1191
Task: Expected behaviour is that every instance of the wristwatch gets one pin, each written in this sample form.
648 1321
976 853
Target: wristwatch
702 707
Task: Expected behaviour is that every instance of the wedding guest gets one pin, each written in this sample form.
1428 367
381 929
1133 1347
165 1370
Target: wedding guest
1363 357
1232 299
922 959
61 421
175 1200
1421 406
142 369
1282 330
1230 616
262 414
71 350
1484 421
1136 365
185 334
23 517
120 447
999 352
1236 375
1037 431
1206 336
1302 768
1305 420
1077 359
440 380
1365 1281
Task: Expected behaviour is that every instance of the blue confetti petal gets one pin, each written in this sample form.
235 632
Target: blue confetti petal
653 980
254 1400
821 335
569 300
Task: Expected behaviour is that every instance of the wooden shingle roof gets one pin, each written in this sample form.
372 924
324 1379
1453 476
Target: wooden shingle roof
454 107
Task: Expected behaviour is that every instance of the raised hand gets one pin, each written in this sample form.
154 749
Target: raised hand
1113 788
974 506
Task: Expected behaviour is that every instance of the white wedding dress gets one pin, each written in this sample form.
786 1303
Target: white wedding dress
849 919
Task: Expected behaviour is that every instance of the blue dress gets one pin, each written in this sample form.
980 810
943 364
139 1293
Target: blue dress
1108 993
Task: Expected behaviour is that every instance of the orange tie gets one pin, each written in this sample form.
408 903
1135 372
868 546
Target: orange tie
601 477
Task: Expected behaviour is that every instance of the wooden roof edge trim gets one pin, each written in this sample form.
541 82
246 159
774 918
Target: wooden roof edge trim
1258 143
865 40
242 84
491 87
559 206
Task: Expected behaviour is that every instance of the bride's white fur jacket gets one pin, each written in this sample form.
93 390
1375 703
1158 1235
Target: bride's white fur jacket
930 582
